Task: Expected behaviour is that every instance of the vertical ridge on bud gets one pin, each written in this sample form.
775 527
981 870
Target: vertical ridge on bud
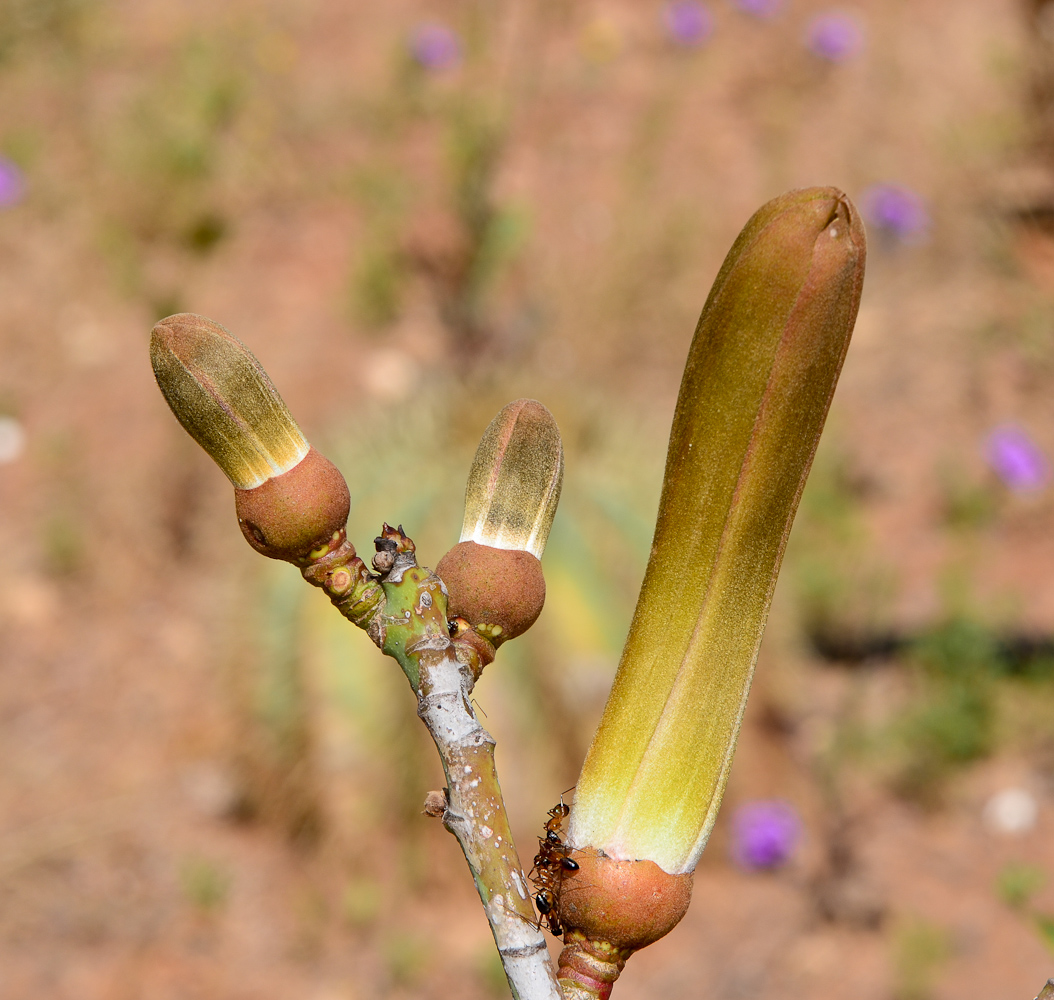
514 484
757 385
223 398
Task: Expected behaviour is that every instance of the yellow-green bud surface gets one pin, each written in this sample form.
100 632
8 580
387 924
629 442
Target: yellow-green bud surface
514 483
758 382
223 398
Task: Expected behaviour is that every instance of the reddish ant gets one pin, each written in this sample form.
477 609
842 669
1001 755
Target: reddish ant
550 864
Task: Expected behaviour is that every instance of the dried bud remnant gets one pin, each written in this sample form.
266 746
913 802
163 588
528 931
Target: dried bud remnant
435 803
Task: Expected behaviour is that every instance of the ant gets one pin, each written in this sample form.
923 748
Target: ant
550 864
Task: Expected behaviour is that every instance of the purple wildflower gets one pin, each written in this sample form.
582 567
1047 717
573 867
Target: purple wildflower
434 46
12 184
764 834
688 23
835 36
759 8
1017 459
896 210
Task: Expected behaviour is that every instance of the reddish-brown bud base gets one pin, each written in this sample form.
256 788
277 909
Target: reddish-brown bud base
500 589
627 904
300 512
612 909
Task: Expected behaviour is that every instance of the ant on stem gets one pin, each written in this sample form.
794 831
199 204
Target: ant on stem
551 863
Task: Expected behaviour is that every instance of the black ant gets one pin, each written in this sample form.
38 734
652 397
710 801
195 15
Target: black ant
550 864
546 903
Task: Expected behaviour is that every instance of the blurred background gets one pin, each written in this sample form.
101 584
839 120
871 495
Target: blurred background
414 212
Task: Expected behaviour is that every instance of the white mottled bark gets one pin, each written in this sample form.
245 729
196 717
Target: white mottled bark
476 815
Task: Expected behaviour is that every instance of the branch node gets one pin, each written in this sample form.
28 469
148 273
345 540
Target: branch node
436 803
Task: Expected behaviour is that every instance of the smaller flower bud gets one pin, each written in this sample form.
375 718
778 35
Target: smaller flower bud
493 575
515 480
223 398
292 503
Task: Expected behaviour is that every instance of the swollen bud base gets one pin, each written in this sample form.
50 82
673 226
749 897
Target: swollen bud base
299 515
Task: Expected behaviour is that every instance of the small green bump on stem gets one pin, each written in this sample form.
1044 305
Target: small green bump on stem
339 582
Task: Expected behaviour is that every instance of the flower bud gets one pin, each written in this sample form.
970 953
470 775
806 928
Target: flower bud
291 502
756 389
493 575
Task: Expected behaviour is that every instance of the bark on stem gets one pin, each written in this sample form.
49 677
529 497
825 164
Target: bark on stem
476 816
404 611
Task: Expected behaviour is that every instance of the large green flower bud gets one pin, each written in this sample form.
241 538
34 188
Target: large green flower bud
759 379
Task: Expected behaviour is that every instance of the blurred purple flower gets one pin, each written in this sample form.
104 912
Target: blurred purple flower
759 8
688 23
835 36
435 46
896 210
764 834
12 184
1017 459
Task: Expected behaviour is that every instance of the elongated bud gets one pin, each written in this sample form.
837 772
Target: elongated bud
757 386
514 483
292 503
493 574
223 398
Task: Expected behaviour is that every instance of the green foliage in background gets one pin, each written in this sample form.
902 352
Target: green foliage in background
951 721
843 588
26 23
174 144
920 949
205 884
1017 883
471 236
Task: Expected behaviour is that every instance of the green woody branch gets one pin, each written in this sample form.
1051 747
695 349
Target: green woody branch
408 620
